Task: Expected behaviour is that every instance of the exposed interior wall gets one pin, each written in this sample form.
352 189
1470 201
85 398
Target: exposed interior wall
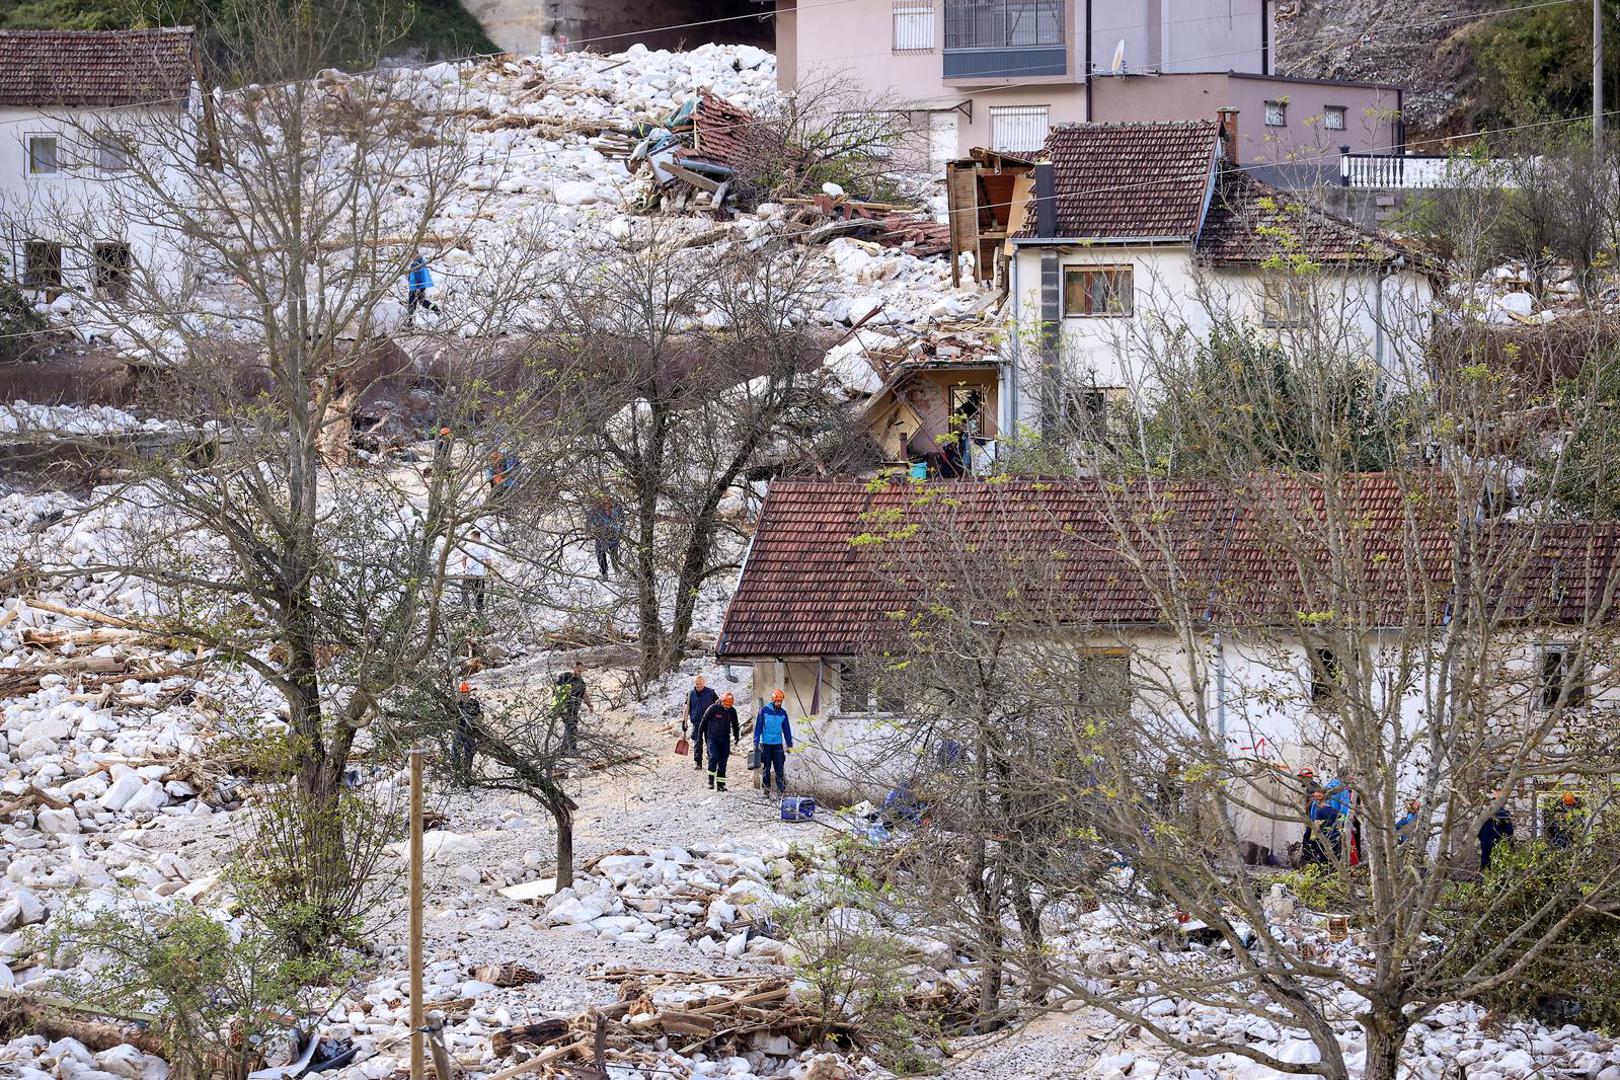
614 25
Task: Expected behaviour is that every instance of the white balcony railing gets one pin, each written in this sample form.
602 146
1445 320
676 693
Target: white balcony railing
1419 171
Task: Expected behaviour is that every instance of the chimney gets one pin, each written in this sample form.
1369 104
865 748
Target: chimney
1045 200
1229 139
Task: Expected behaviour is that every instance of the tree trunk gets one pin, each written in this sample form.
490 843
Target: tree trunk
564 817
1386 1034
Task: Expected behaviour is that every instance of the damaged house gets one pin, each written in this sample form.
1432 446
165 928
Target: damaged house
823 609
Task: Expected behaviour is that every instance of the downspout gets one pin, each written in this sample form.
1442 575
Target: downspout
1265 37
1220 688
1378 317
1086 60
1008 420
1051 296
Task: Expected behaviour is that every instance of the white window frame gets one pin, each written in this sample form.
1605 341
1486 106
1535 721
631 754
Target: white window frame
914 26
1024 120
114 142
1112 269
1330 113
1284 302
28 154
1277 113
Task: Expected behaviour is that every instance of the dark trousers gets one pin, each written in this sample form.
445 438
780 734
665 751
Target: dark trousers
472 592
607 553
464 749
417 298
773 755
697 743
719 757
570 728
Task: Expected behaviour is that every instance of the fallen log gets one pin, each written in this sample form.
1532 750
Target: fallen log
77 613
21 1015
539 1033
101 635
34 797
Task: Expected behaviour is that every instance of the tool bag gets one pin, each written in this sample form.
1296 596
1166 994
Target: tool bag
798 808
753 758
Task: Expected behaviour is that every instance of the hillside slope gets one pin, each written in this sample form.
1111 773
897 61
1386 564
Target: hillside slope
438 28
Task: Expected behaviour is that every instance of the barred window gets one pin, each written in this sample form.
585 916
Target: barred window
913 25
1019 127
1333 117
1276 114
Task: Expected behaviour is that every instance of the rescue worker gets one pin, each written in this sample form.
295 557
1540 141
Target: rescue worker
468 710
698 700
1498 828
1563 821
1323 844
567 697
719 728
773 738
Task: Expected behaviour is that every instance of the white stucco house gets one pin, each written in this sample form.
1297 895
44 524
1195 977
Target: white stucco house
1135 234
87 120
821 609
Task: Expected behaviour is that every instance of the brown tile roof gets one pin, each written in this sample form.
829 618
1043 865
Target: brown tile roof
1249 222
722 131
834 563
1130 180
92 67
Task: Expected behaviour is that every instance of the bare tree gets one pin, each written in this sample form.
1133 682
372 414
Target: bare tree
704 377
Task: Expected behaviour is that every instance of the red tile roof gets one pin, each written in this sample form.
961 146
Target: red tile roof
1249 222
721 131
834 563
1130 180
90 67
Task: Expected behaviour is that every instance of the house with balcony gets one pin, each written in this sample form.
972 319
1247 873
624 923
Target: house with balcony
1000 74
88 120
1138 238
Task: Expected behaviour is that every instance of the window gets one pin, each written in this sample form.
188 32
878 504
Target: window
1326 676
1003 24
1558 672
112 152
111 268
42 264
1090 292
1284 303
1333 118
42 155
1276 114
861 689
1019 127
1105 683
913 25
1085 410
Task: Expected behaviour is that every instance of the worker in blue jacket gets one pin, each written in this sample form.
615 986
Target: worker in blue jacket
698 700
418 281
773 738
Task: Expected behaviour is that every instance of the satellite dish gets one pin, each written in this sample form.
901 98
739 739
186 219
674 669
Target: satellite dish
1119 58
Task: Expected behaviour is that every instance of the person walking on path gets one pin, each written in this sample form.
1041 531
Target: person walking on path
1497 829
606 528
418 280
474 569
567 699
698 700
719 729
773 738
468 712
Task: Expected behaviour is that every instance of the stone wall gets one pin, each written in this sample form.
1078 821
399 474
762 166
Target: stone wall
521 26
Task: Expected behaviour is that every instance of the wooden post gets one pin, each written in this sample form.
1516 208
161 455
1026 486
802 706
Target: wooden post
418 1070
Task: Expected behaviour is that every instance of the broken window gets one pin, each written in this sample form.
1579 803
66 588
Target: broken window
1561 678
1284 303
111 268
42 264
1327 676
861 688
1085 411
913 25
1333 117
42 155
1276 114
1093 291
1019 128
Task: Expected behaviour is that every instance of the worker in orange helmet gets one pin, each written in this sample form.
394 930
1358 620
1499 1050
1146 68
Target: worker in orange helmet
468 712
718 729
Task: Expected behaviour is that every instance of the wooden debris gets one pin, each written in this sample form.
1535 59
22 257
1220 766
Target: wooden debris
506 975
539 1033
34 797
